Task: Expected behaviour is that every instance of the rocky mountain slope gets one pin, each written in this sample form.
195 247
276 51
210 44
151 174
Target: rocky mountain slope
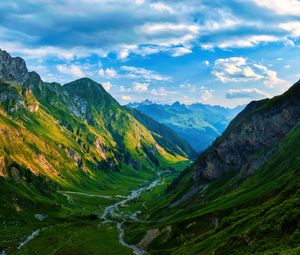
241 196
198 124
251 138
12 69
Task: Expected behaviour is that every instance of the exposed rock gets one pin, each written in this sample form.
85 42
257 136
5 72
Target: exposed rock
150 235
249 140
81 106
11 99
31 104
12 69
45 164
100 148
33 107
15 174
190 193
76 158
2 166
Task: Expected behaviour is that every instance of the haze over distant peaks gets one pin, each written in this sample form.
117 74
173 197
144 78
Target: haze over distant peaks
199 124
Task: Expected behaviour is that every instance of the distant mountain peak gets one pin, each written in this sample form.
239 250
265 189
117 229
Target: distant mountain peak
147 102
177 103
12 69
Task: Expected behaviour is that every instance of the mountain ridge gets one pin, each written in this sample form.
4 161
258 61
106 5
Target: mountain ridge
83 110
199 124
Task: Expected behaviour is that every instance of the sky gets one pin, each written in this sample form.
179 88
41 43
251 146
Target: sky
219 52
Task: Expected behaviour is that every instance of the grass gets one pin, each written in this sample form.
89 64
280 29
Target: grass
234 215
80 237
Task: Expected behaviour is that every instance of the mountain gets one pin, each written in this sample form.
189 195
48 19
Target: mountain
74 137
199 124
81 174
12 69
241 196
162 134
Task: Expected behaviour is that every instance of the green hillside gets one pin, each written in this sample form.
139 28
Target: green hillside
81 174
235 211
77 138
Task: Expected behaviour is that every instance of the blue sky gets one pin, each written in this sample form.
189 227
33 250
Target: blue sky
225 52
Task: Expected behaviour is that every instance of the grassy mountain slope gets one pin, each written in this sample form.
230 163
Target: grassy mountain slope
235 211
73 137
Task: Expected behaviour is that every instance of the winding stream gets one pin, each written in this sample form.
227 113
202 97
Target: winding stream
110 214
30 237
112 210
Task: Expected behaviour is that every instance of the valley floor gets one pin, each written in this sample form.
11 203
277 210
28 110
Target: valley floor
84 221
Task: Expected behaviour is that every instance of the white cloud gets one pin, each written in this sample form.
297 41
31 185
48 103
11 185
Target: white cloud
206 94
107 85
169 34
140 87
159 6
145 50
126 98
292 27
108 73
185 85
206 62
281 7
123 89
123 54
42 52
138 1
159 92
133 72
71 70
180 51
225 21
241 42
239 69
234 69
140 27
245 93
270 78
160 28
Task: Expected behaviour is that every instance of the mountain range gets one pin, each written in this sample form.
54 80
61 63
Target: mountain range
199 124
81 174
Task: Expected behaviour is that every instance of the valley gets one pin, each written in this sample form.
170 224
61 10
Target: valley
82 174
90 214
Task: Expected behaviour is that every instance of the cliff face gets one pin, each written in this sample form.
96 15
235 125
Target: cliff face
12 69
251 137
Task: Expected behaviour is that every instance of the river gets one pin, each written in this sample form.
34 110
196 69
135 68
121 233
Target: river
112 210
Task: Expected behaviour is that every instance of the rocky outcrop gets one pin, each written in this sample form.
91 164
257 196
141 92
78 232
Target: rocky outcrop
3 172
251 138
12 69
100 148
31 103
75 157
